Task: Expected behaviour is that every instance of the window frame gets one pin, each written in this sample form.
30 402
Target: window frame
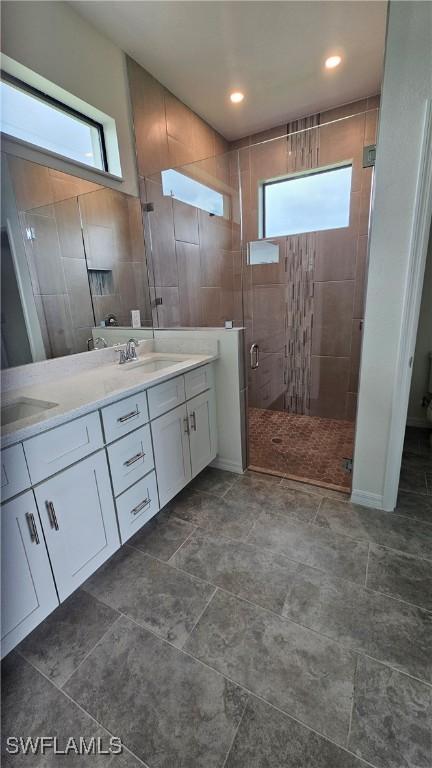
61 107
292 177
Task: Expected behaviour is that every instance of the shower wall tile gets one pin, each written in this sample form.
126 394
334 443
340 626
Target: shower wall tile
68 219
44 256
188 260
185 222
161 223
360 276
356 339
77 287
335 257
166 314
329 386
148 106
351 406
216 267
332 327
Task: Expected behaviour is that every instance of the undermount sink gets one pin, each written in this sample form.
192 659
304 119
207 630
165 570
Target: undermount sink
150 366
23 408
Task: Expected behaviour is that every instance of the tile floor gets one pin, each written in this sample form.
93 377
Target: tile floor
254 623
306 448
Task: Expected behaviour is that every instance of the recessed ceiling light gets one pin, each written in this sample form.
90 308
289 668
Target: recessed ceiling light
333 61
237 97
88 154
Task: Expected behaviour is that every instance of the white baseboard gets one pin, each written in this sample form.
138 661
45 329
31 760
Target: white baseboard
229 466
416 421
366 499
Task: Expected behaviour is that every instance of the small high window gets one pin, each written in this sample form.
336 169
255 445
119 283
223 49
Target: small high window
307 203
192 192
34 117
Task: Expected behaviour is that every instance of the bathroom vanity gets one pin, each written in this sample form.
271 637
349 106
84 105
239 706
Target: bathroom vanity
87 460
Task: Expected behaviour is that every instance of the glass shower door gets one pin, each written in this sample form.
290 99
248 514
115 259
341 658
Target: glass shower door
305 212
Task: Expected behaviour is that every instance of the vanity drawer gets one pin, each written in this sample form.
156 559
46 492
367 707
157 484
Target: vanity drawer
130 459
56 449
198 380
136 506
14 472
166 396
124 415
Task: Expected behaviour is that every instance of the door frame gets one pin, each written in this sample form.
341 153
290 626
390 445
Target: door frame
410 316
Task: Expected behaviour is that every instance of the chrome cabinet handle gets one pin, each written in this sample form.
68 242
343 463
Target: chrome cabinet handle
34 536
128 416
135 458
186 425
192 419
52 517
254 356
140 506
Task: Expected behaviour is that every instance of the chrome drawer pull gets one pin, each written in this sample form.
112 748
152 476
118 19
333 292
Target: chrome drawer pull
34 536
135 458
186 425
128 416
193 421
141 506
52 517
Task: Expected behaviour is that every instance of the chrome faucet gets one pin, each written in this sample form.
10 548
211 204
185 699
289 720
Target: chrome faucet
131 349
129 354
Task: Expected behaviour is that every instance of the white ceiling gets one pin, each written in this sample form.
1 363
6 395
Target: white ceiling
273 51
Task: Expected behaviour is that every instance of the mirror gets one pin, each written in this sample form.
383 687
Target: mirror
72 258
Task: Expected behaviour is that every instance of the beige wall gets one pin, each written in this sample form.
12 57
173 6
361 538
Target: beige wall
306 311
52 40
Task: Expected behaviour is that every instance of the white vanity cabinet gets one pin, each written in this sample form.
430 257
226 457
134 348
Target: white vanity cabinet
172 452
202 430
76 508
94 481
184 442
28 591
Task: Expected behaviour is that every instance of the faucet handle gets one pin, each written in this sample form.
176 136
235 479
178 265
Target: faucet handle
123 357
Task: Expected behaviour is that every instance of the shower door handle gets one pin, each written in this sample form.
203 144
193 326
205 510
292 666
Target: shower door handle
254 356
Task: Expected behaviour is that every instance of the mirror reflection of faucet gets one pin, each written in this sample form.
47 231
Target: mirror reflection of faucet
97 343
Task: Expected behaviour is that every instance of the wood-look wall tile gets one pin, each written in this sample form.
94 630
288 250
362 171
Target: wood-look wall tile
188 263
216 267
161 223
185 222
67 215
148 108
356 342
78 290
360 277
332 315
329 386
335 255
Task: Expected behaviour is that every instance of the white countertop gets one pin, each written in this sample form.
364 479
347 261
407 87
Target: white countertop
85 391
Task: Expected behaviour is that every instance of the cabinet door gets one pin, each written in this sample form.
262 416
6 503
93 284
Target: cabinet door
171 453
202 422
77 512
28 590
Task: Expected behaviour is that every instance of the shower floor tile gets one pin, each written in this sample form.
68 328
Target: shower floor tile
307 448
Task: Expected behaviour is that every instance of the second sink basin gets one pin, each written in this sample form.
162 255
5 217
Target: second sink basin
23 408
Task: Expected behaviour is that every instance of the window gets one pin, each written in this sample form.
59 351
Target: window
317 200
39 119
186 189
